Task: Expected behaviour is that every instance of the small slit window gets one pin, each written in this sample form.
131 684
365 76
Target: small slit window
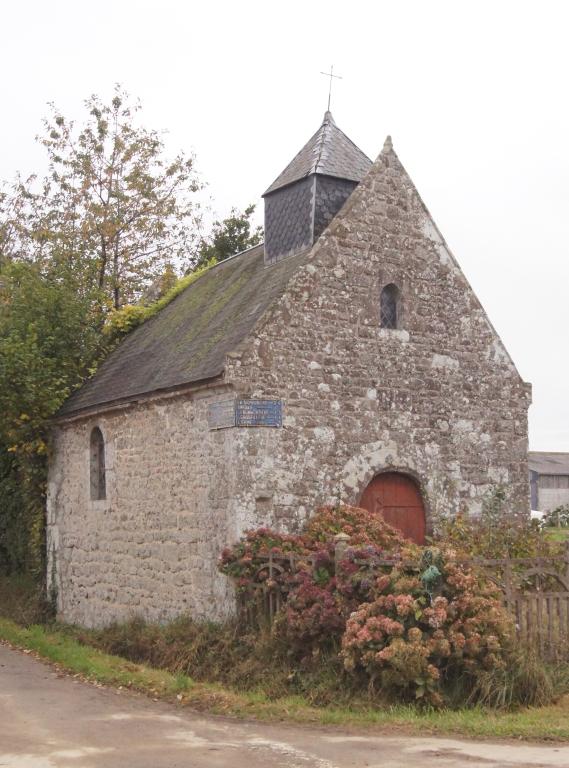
97 465
389 306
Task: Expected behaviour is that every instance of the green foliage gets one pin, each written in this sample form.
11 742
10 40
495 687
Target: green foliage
166 282
559 536
49 337
558 517
22 600
228 237
494 534
13 528
112 217
114 210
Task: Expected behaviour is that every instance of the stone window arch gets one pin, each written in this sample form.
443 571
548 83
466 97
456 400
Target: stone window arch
97 465
390 306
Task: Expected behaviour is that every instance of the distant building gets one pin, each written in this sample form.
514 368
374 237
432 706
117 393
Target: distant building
549 480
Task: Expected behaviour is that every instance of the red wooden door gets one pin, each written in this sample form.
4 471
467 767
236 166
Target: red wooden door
398 498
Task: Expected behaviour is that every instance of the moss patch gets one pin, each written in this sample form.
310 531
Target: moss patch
122 321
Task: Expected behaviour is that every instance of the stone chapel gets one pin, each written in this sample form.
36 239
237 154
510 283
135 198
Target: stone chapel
345 359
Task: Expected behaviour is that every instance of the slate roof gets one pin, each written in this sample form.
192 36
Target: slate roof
330 153
545 463
188 340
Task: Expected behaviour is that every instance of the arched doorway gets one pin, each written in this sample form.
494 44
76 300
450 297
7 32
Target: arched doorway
398 498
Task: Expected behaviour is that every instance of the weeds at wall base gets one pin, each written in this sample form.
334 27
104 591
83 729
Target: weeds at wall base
261 662
23 600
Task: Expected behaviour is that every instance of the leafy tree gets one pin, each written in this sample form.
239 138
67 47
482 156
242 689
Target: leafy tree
14 532
113 210
49 337
228 237
13 215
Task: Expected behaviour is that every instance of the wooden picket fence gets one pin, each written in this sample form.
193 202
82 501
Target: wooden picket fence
267 597
535 591
542 621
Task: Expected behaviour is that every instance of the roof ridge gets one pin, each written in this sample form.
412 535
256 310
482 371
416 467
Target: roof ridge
327 123
328 152
551 453
235 255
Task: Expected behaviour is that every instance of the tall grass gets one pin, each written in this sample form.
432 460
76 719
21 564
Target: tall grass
244 661
22 600
260 662
525 681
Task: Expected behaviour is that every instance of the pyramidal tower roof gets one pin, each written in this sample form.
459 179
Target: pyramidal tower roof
329 153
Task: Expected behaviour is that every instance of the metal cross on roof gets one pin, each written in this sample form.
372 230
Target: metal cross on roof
331 74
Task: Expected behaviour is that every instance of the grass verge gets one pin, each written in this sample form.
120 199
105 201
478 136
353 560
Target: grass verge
549 723
557 534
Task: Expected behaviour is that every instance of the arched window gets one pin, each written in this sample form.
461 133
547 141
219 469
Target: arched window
97 465
389 306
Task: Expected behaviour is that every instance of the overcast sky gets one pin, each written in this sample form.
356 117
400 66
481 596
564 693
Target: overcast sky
475 95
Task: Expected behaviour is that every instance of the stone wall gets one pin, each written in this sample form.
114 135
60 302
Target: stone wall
151 547
438 398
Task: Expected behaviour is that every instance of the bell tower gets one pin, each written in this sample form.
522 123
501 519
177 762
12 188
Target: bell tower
306 196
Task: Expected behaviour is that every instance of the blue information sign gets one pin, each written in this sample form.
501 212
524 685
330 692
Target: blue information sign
245 412
258 413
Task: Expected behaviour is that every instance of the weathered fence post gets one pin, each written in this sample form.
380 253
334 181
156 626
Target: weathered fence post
508 585
341 541
566 555
270 592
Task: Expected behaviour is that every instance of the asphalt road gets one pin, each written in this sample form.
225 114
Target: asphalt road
49 720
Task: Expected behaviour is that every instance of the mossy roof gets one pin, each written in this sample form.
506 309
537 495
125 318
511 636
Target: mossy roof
189 339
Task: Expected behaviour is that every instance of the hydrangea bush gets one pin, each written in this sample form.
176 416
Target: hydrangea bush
411 625
241 561
314 617
362 528
413 643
